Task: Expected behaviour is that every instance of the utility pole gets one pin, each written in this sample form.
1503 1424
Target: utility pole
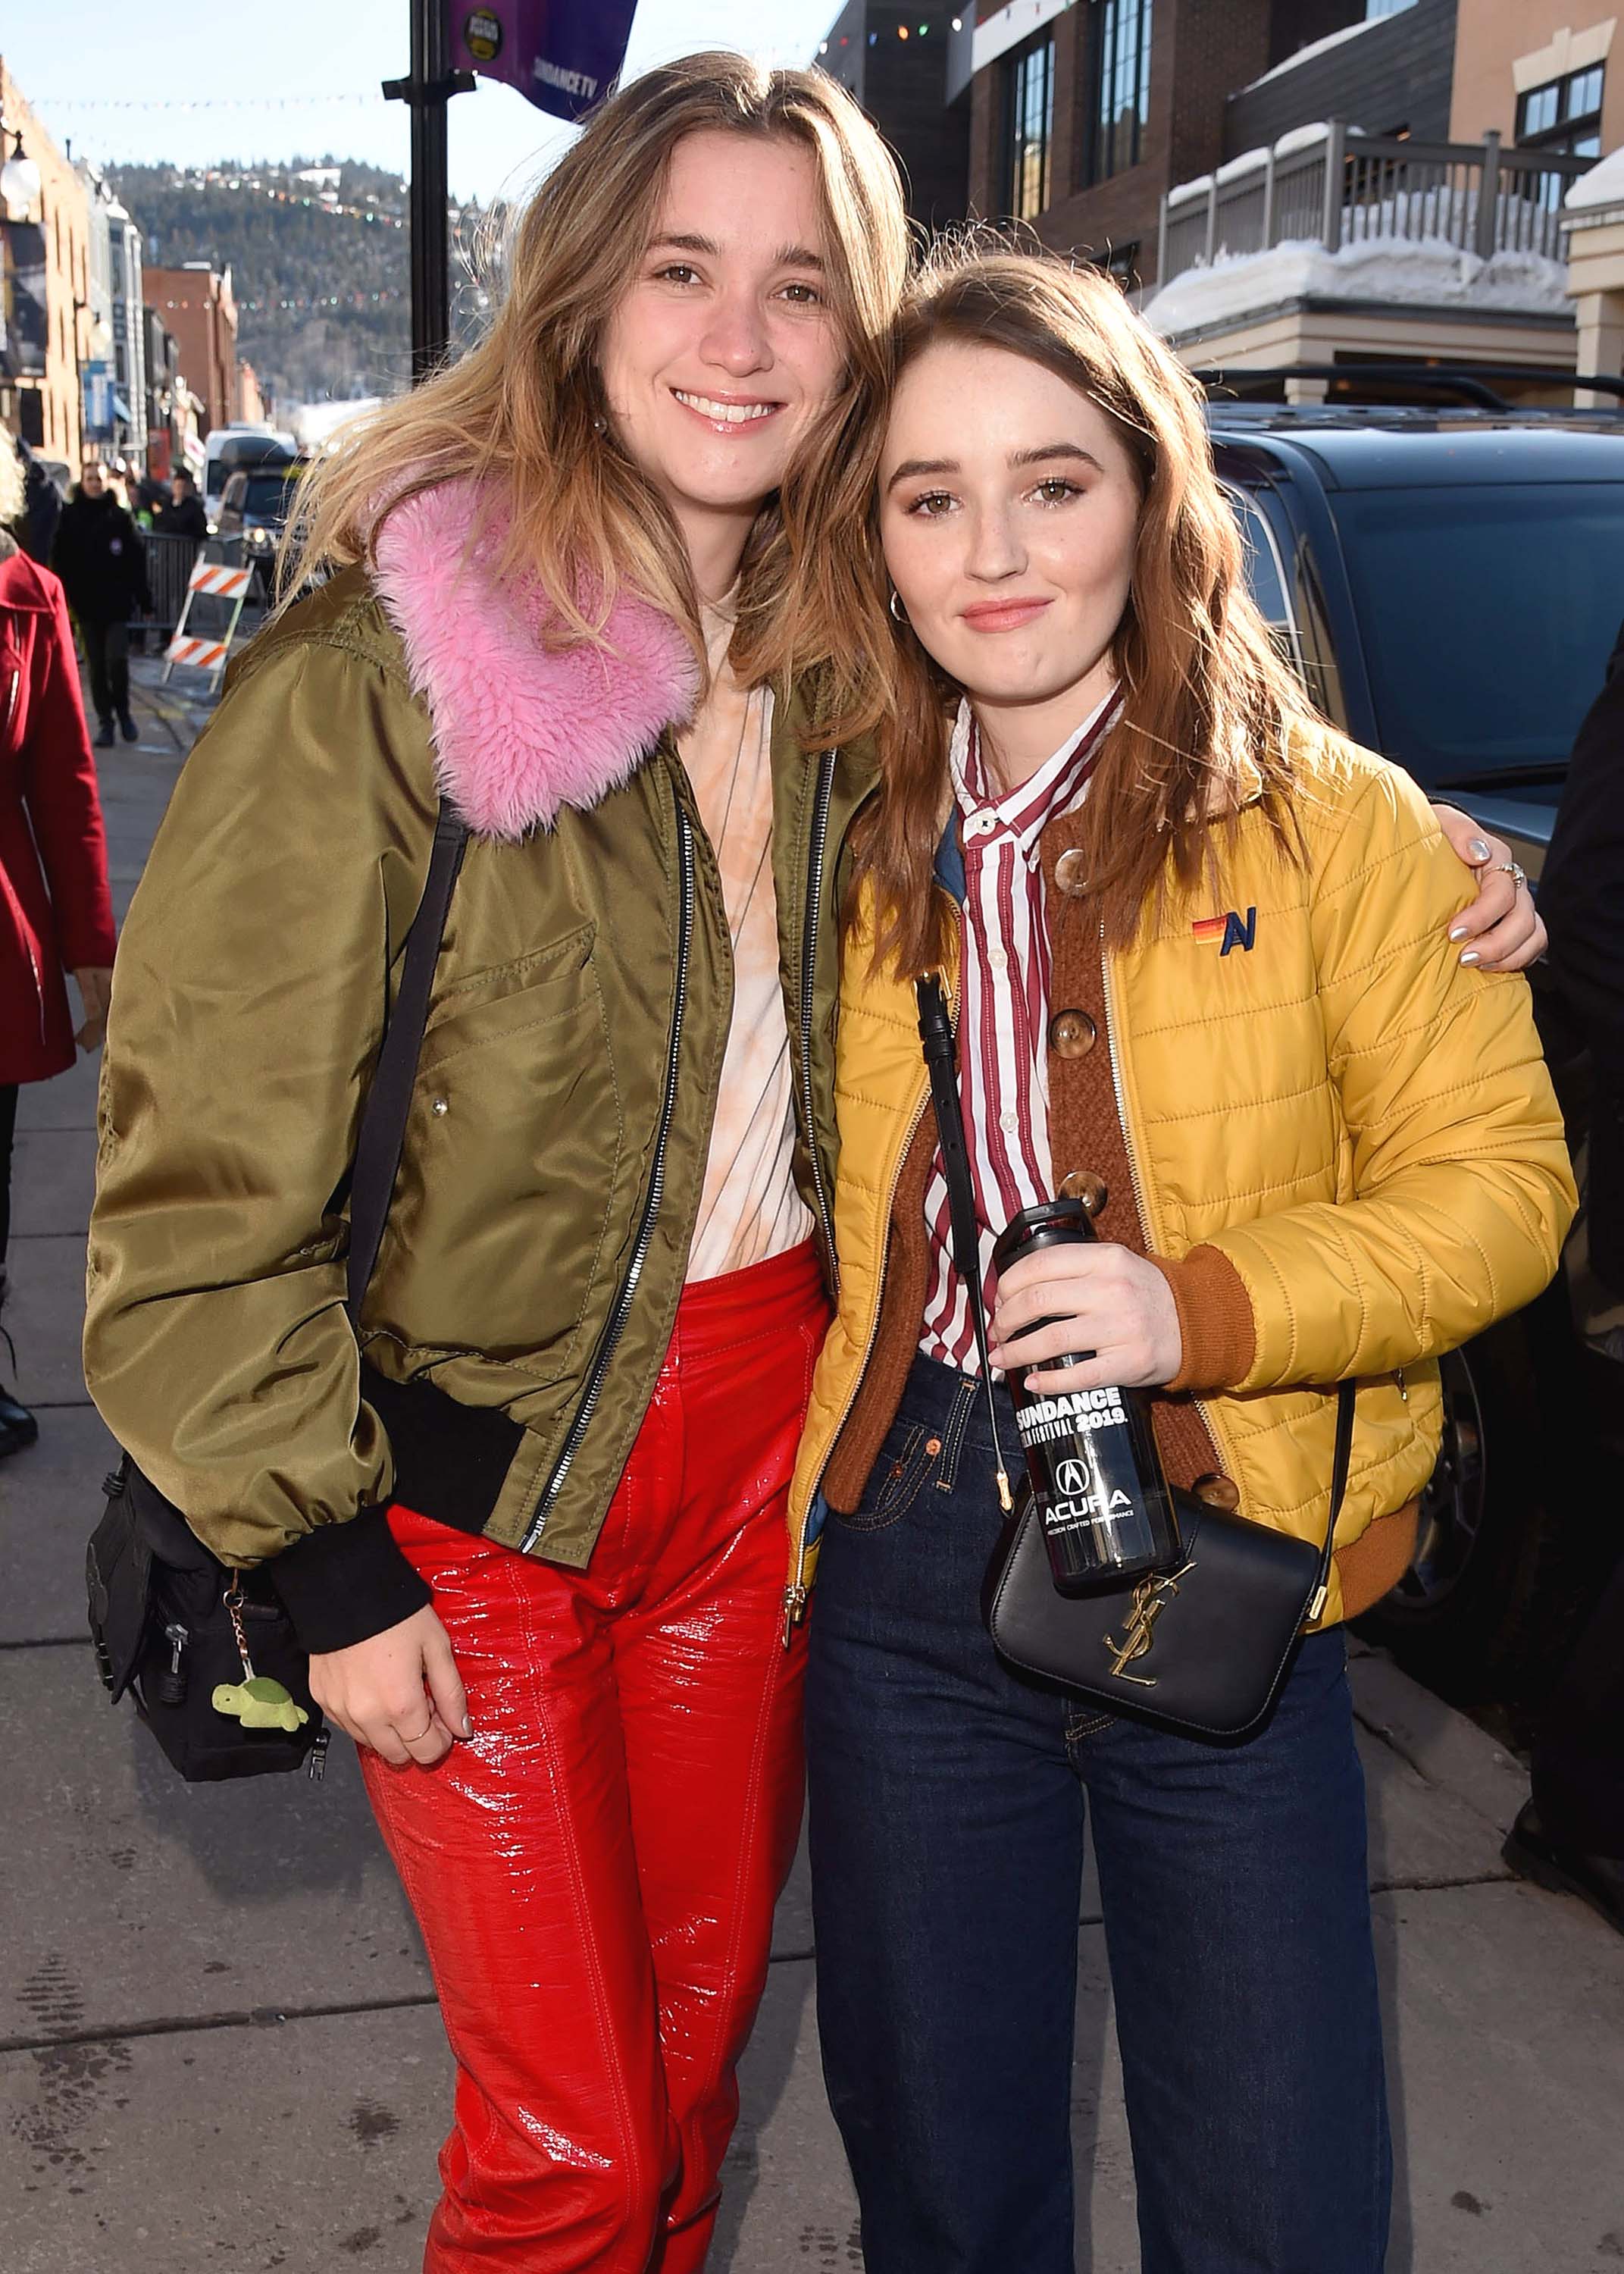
430 87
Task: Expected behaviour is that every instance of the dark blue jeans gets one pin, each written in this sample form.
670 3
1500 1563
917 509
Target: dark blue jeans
947 1813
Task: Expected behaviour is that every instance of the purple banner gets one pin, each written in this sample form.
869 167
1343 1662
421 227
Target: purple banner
564 56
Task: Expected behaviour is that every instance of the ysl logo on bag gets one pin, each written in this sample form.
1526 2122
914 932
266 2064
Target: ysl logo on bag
1151 1598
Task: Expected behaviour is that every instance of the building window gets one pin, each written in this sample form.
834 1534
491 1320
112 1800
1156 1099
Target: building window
1119 33
1374 9
1565 114
1032 125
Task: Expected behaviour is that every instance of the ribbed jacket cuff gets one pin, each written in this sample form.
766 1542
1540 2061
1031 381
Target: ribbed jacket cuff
344 1583
1214 1317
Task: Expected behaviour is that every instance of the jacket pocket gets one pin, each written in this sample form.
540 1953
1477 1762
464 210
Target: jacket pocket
508 997
503 1205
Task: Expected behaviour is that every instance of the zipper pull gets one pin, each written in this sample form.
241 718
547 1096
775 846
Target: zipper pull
794 1610
170 1682
1404 1390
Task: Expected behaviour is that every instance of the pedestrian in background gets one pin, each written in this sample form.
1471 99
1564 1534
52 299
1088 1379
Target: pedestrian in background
41 507
1570 1835
182 513
143 496
98 555
55 911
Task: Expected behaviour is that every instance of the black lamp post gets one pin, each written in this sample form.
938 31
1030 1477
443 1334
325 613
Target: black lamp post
430 87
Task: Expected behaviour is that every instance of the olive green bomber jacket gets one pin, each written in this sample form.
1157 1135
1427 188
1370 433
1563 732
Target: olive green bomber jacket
539 1233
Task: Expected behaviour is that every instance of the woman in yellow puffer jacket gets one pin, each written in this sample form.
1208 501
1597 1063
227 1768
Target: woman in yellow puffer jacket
1200 951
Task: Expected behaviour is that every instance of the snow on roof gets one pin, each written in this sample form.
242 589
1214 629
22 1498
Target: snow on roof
1314 48
1427 270
1603 185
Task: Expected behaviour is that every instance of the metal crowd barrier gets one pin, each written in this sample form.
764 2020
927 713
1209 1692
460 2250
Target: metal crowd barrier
169 565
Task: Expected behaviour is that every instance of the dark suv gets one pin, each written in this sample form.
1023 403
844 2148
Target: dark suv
1450 584
254 508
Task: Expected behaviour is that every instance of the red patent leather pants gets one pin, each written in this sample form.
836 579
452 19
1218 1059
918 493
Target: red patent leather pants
595 1873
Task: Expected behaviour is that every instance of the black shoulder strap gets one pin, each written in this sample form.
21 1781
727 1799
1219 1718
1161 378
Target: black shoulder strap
1340 1460
388 1101
937 1036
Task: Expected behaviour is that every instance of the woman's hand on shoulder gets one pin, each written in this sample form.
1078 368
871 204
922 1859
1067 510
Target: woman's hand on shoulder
1100 1299
398 1691
1501 930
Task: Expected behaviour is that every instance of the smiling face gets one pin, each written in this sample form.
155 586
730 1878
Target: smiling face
725 349
1009 512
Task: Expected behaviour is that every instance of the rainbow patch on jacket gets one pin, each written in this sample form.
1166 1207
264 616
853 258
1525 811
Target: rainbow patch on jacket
1231 929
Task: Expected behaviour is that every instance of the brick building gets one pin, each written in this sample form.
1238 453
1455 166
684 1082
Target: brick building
45 292
195 303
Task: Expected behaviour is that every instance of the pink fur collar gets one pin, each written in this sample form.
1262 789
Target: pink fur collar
518 730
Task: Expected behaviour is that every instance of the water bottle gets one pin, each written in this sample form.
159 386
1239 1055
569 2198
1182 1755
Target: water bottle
1097 1478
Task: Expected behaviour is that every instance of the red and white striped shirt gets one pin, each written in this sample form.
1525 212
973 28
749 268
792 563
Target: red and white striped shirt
1003 1013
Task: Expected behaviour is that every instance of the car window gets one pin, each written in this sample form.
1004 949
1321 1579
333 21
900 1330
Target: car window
266 493
1487 614
231 496
1265 576
1318 664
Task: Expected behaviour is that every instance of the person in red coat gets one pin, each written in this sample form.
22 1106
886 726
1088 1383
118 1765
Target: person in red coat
55 913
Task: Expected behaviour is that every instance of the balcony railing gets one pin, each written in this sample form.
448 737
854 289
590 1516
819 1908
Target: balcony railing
1332 186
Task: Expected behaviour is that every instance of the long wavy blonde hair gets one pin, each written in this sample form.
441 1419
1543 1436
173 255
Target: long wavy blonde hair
522 412
1207 697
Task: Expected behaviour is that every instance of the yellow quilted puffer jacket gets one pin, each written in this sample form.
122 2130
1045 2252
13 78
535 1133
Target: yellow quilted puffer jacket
1364 1131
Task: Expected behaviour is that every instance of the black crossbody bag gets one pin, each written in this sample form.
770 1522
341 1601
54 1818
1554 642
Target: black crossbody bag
1201 1650
171 1623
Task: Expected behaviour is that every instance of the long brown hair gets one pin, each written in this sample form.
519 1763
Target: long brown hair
1207 697
522 412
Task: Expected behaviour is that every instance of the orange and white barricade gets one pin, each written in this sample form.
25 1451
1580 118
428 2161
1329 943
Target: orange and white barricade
215 580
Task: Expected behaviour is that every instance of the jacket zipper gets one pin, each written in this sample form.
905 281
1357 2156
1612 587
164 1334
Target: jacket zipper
10 699
797 1594
619 1310
1147 1229
809 965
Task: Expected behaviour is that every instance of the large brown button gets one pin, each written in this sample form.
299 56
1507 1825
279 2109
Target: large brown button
1215 1490
1069 872
1072 1033
1083 1185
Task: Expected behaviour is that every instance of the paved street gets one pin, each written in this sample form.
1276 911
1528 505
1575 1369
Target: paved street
219 2047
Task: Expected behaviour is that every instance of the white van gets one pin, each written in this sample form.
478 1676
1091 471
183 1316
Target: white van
241 444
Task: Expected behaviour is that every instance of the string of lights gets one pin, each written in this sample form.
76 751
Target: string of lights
903 33
195 102
305 302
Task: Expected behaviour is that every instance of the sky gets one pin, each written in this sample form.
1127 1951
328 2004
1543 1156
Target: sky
301 78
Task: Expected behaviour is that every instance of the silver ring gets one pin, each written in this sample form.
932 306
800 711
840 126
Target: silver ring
1514 870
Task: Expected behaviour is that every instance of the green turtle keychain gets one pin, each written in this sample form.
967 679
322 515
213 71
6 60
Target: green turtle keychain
259 1701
